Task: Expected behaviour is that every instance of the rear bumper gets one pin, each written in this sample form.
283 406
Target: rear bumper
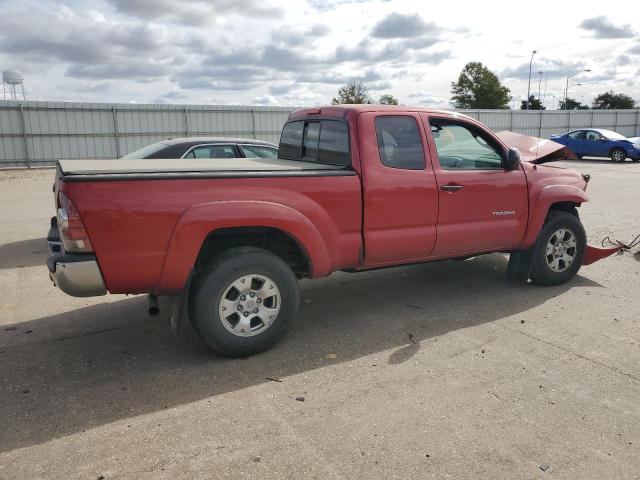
77 275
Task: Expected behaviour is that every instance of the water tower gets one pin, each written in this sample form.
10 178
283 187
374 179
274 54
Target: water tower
13 84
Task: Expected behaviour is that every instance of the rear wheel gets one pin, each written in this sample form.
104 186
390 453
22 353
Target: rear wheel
618 155
559 250
244 301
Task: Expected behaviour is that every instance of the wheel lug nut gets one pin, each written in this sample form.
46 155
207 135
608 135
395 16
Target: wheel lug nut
255 310
242 297
259 300
239 307
246 314
252 294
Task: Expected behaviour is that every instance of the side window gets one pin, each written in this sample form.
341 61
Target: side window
577 135
399 142
334 143
463 148
259 151
213 151
593 136
291 141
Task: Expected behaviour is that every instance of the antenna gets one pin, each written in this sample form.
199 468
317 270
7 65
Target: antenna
11 80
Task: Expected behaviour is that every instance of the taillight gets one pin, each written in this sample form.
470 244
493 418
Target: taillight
72 232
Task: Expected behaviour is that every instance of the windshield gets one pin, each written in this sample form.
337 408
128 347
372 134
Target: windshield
611 135
145 152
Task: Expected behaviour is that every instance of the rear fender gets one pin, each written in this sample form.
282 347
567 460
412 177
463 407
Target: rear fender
538 211
200 220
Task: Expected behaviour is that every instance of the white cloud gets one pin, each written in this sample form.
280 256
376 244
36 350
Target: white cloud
299 53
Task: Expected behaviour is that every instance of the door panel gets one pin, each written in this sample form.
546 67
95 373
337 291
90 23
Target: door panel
486 210
593 145
400 205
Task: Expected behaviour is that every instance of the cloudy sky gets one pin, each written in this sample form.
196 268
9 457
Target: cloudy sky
263 52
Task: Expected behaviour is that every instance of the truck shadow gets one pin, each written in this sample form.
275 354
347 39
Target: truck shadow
25 253
109 362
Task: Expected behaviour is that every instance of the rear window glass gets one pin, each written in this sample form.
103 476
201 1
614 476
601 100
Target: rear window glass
399 142
334 143
146 152
291 141
320 141
310 142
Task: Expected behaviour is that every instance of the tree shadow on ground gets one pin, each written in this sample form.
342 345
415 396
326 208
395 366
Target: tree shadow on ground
108 362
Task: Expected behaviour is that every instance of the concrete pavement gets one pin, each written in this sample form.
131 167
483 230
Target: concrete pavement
442 370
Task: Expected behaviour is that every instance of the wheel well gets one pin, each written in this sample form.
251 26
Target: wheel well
272 239
571 207
616 148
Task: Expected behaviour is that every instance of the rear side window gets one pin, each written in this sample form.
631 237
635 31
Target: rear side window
212 151
259 151
319 141
399 142
579 135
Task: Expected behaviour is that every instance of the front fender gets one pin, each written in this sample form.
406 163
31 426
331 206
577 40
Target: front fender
199 220
548 196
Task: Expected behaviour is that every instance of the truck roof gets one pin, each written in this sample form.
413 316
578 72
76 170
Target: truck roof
345 109
253 141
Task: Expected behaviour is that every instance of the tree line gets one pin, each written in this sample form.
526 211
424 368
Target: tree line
477 87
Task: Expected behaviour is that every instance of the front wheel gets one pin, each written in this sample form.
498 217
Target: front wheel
618 155
244 301
559 250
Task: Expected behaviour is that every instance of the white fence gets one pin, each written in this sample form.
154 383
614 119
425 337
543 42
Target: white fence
39 133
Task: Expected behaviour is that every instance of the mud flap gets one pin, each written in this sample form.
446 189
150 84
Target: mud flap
521 264
180 310
593 254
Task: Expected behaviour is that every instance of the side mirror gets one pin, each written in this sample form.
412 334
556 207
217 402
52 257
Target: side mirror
603 139
513 159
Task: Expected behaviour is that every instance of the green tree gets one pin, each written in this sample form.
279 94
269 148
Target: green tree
572 104
534 104
608 100
479 87
353 92
388 99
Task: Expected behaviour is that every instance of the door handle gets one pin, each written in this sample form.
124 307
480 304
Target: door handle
451 188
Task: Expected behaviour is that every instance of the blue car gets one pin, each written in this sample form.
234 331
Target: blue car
597 142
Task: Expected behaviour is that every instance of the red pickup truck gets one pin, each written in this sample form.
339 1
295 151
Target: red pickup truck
355 187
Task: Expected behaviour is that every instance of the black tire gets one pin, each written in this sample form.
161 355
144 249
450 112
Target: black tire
635 159
215 279
615 155
542 273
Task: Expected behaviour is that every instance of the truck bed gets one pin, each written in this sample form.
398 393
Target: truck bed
147 219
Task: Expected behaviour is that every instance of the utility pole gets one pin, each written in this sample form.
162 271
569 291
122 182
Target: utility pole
529 85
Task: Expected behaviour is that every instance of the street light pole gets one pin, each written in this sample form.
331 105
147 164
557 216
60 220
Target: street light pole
566 88
529 85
